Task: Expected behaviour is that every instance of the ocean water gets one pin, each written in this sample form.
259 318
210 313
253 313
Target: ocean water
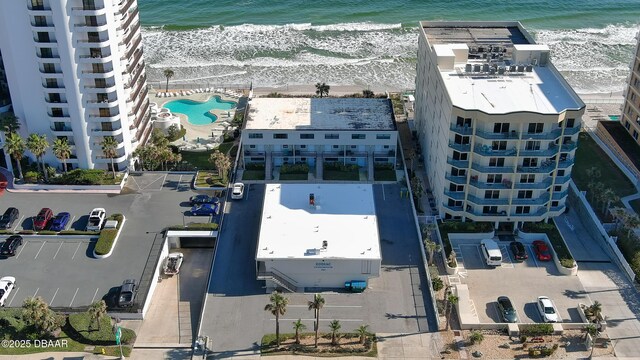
369 43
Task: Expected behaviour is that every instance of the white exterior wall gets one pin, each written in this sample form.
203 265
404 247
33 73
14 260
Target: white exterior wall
332 273
66 25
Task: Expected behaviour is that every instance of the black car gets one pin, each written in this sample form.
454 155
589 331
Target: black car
519 252
507 311
9 217
11 245
127 293
203 199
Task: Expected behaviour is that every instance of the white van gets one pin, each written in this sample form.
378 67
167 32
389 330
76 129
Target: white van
491 252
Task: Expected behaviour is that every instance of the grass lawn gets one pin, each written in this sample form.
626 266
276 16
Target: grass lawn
80 330
351 175
384 175
253 175
293 176
199 159
635 204
208 179
554 236
589 154
348 345
225 147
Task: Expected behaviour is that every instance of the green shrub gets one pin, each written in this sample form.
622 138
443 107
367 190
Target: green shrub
31 177
194 226
26 232
338 166
78 232
80 177
83 331
301 168
254 166
476 337
536 329
437 284
117 217
383 166
105 241
555 238
174 134
47 232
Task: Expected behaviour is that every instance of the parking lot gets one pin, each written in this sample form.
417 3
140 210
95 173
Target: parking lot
62 269
522 282
396 302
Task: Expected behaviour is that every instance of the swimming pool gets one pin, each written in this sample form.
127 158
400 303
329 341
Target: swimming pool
198 112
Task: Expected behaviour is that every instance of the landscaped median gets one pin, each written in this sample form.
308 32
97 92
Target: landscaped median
108 238
346 344
454 227
564 257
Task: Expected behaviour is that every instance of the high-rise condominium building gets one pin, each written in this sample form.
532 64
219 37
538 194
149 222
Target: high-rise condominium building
74 70
631 109
497 123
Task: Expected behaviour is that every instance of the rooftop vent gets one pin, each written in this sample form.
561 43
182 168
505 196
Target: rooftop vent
528 68
476 68
468 68
325 243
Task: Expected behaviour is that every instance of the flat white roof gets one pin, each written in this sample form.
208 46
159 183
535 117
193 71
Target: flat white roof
538 91
344 216
320 114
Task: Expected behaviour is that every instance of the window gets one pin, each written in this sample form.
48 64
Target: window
336 146
497 162
40 20
358 136
43 37
499 145
525 194
303 146
455 188
285 146
461 139
306 136
56 112
530 162
459 156
46 53
492 194
627 125
100 83
571 123
105 112
527 178
523 209
501 128
532 145
37 4
49 68
494 178
385 147
557 188
383 136
331 136
255 136
554 204
52 83
458 172
280 136
635 134
252 146
489 209
535 128
463 122
560 172
98 68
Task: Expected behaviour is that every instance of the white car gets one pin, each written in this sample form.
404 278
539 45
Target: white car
238 191
7 284
96 219
547 310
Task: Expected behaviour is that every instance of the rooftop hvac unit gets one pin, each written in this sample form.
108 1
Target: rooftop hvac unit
512 68
520 68
468 68
492 71
528 68
485 68
476 68
501 70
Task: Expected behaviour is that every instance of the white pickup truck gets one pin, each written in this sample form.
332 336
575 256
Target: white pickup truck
96 219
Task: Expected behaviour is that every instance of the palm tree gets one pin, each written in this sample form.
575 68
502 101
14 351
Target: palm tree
322 89
222 163
110 150
431 247
335 326
165 155
316 304
38 146
36 313
62 150
367 93
298 326
607 196
97 311
168 73
451 300
596 310
277 306
9 123
15 146
363 331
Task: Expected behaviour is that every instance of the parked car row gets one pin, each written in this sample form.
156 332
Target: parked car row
45 219
7 283
10 246
545 307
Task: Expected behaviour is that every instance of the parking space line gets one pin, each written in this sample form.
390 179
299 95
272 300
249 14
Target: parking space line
20 252
74 297
163 180
19 222
54 296
59 247
36 293
505 254
44 242
179 181
484 262
74 254
533 255
246 195
94 295
383 196
151 183
15 293
134 180
70 222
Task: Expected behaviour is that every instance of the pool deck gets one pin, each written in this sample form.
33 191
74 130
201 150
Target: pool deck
201 137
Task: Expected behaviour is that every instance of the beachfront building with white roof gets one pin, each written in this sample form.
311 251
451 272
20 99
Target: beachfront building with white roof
317 236
497 123
75 71
631 110
358 131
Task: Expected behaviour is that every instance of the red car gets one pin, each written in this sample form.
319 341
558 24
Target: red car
542 250
42 219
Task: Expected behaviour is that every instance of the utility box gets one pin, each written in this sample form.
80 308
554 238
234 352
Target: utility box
111 224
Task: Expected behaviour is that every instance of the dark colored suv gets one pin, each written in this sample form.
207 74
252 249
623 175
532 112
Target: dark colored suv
9 217
127 293
11 245
519 252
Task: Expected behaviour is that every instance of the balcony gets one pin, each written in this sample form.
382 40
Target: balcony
61 130
544 168
570 146
131 49
58 118
550 135
96 145
91 27
486 150
130 18
39 10
125 5
462 164
143 101
88 11
95 104
493 169
254 153
541 200
101 74
104 132
106 160
544 184
461 130
559 195
61 102
94 59
460 147
41 26
101 118
562 179
482 201
459 180
93 43
106 89
572 130
550 151
456 195
489 186
511 135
